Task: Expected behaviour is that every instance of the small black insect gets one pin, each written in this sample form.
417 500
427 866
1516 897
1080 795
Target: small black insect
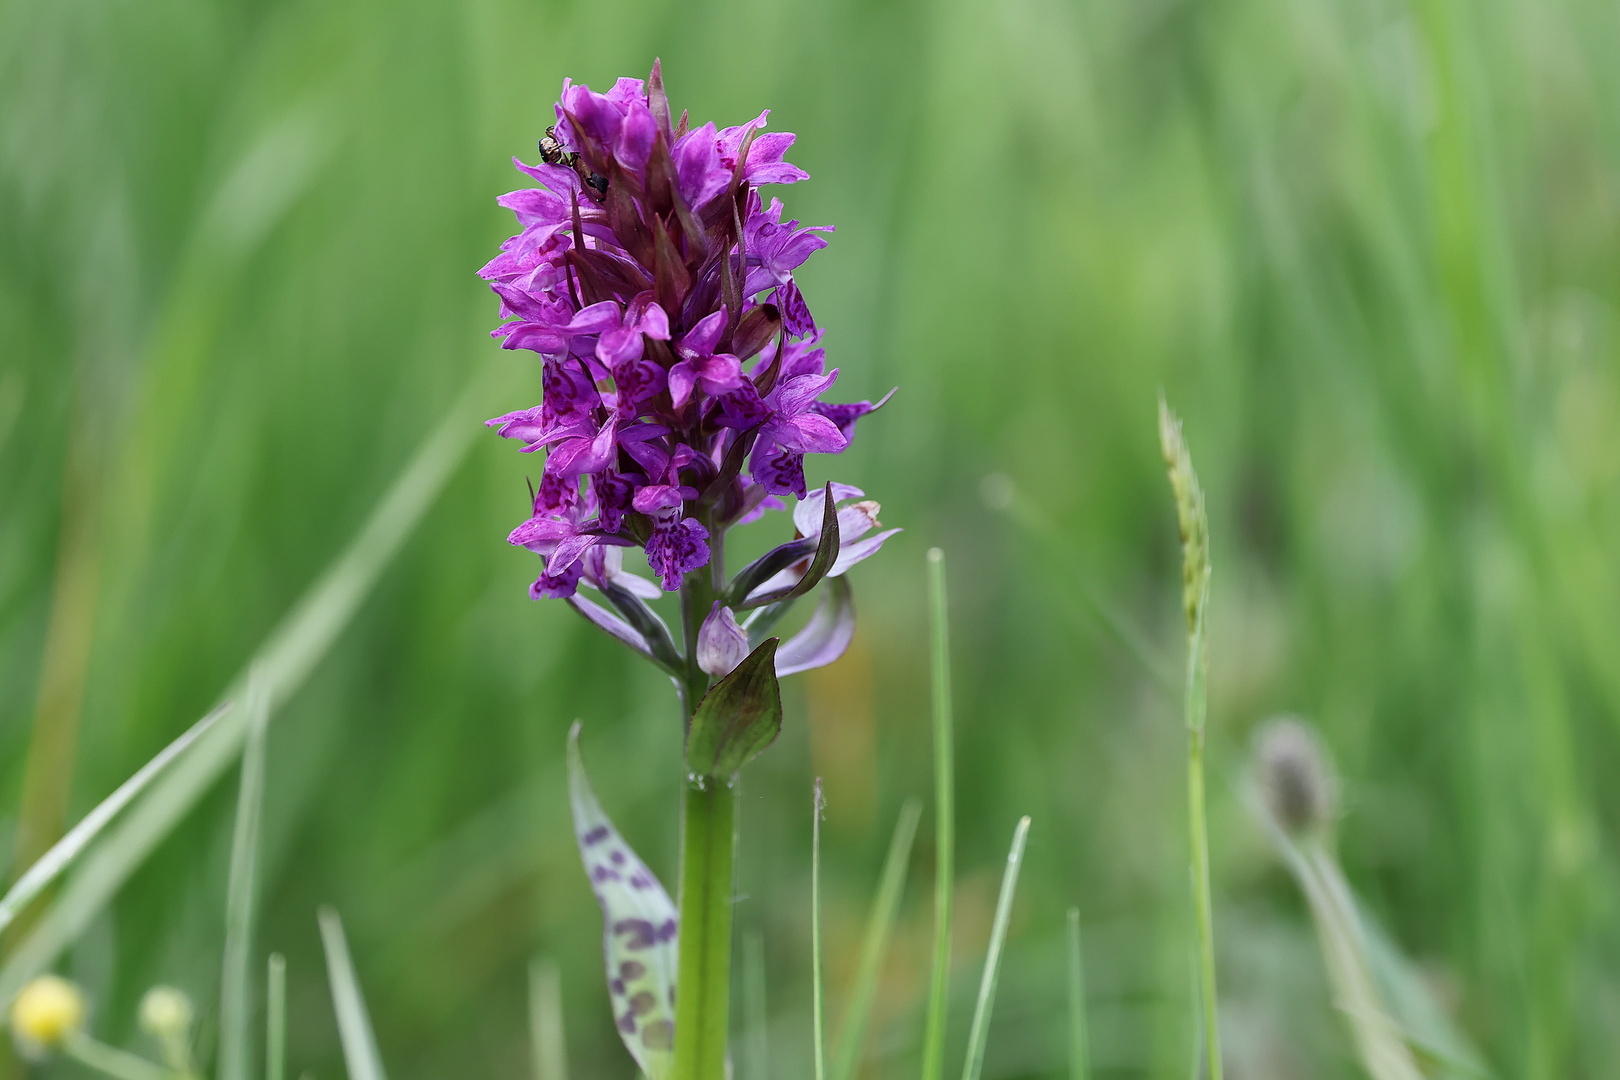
597 181
552 152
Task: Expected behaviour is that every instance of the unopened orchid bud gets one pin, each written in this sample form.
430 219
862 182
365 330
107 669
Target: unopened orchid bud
1295 778
45 1013
721 644
166 1013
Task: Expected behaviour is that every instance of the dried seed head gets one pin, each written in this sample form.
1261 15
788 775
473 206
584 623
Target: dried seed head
45 1013
1295 777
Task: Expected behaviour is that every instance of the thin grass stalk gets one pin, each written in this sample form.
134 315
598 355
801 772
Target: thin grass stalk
235 989
818 1006
546 1020
360 1052
1079 1042
755 1014
980 1031
875 944
1193 522
933 1061
275 1018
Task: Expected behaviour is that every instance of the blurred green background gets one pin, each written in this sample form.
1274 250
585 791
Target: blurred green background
1369 249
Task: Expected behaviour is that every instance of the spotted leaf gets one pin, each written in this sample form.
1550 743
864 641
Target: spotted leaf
638 928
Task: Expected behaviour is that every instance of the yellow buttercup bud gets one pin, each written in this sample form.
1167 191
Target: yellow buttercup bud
45 1013
166 1013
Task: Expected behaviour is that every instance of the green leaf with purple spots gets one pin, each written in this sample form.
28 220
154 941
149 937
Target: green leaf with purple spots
638 928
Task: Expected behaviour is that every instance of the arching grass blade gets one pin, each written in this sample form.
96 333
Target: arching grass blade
874 946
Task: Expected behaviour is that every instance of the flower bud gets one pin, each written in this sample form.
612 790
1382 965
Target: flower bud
166 1013
1295 778
45 1013
721 644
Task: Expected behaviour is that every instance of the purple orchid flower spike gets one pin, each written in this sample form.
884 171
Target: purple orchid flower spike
682 379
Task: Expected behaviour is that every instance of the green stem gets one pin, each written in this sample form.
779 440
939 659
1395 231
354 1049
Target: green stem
1198 833
1079 1052
818 1000
703 1001
933 1066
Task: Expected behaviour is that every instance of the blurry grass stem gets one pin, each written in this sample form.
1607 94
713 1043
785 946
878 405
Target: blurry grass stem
1193 521
933 1061
818 1005
283 663
875 943
755 1013
236 978
1079 1048
546 1020
112 1061
360 1053
980 1031
275 1018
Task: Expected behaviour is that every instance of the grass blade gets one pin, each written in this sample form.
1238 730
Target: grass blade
66 850
284 661
992 957
1079 1048
755 1014
933 1062
546 1020
874 946
275 1018
354 1025
235 989
818 1006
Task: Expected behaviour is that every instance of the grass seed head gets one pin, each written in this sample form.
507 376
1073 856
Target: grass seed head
1190 514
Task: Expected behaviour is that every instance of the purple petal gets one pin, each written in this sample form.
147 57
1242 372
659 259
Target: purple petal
676 548
636 138
778 471
549 586
851 553
825 637
541 534
702 338
682 378
566 555
807 433
808 512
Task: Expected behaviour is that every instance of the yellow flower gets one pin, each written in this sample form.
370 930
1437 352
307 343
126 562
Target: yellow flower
46 1012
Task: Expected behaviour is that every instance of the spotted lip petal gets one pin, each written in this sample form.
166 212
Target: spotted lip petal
639 928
